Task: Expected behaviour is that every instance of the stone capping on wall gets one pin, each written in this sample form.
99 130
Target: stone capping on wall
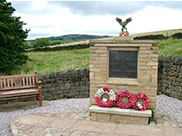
114 110
117 40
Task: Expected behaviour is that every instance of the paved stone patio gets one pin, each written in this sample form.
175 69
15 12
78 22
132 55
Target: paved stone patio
79 124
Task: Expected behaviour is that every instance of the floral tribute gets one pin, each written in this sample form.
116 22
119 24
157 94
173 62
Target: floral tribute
104 102
138 105
119 96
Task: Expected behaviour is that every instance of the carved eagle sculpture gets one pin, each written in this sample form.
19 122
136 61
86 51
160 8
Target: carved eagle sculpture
123 23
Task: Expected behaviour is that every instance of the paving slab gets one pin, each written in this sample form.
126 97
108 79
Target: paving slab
170 131
143 130
87 125
62 123
35 120
78 124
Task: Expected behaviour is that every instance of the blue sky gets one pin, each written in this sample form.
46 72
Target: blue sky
54 18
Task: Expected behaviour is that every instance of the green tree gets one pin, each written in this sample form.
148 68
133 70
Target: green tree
40 42
12 38
26 45
55 42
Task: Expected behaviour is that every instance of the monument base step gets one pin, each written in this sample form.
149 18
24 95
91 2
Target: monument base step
113 114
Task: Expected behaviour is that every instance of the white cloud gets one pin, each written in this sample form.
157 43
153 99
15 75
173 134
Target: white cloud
39 4
60 20
155 19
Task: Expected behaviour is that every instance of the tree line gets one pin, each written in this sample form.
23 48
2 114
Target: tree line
12 38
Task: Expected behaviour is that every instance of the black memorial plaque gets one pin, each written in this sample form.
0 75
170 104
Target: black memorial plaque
123 63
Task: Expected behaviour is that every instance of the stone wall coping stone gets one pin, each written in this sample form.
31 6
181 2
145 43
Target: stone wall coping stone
126 45
114 110
123 40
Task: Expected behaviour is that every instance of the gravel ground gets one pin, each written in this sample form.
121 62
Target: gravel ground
168 106
64 105
165 106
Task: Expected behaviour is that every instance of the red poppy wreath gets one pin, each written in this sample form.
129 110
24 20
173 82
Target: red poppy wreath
139 105
119 96
103 102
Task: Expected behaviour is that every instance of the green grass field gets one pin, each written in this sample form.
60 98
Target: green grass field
170 47
47 62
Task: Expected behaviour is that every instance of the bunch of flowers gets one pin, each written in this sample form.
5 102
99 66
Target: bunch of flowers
119 96
104 102
132 100
139 106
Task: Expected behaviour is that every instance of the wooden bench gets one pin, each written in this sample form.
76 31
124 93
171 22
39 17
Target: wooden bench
20 87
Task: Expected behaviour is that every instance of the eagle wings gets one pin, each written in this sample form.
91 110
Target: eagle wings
123 23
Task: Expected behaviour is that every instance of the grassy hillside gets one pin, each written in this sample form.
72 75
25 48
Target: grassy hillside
170 47
47 62
164 32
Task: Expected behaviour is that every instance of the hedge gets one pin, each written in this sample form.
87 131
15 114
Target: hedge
177 36
151 37
58 48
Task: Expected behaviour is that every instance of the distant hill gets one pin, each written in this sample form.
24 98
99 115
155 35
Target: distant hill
67 40
55 40
75 37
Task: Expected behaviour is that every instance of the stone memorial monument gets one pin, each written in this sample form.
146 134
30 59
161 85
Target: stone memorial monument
121 63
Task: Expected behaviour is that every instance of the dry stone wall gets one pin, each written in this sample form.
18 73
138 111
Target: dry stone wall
170 76
73 83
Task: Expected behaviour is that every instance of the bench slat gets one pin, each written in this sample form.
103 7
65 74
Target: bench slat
27 81
30 81
7 82
12 88
23 81
16 76
15 98
4 81
18 103
33 79
11 82
18 92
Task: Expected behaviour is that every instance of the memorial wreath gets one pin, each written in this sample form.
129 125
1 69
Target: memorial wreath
119 96
138 105
105 102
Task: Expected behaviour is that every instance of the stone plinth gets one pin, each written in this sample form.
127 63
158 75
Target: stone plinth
128 116
145 79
